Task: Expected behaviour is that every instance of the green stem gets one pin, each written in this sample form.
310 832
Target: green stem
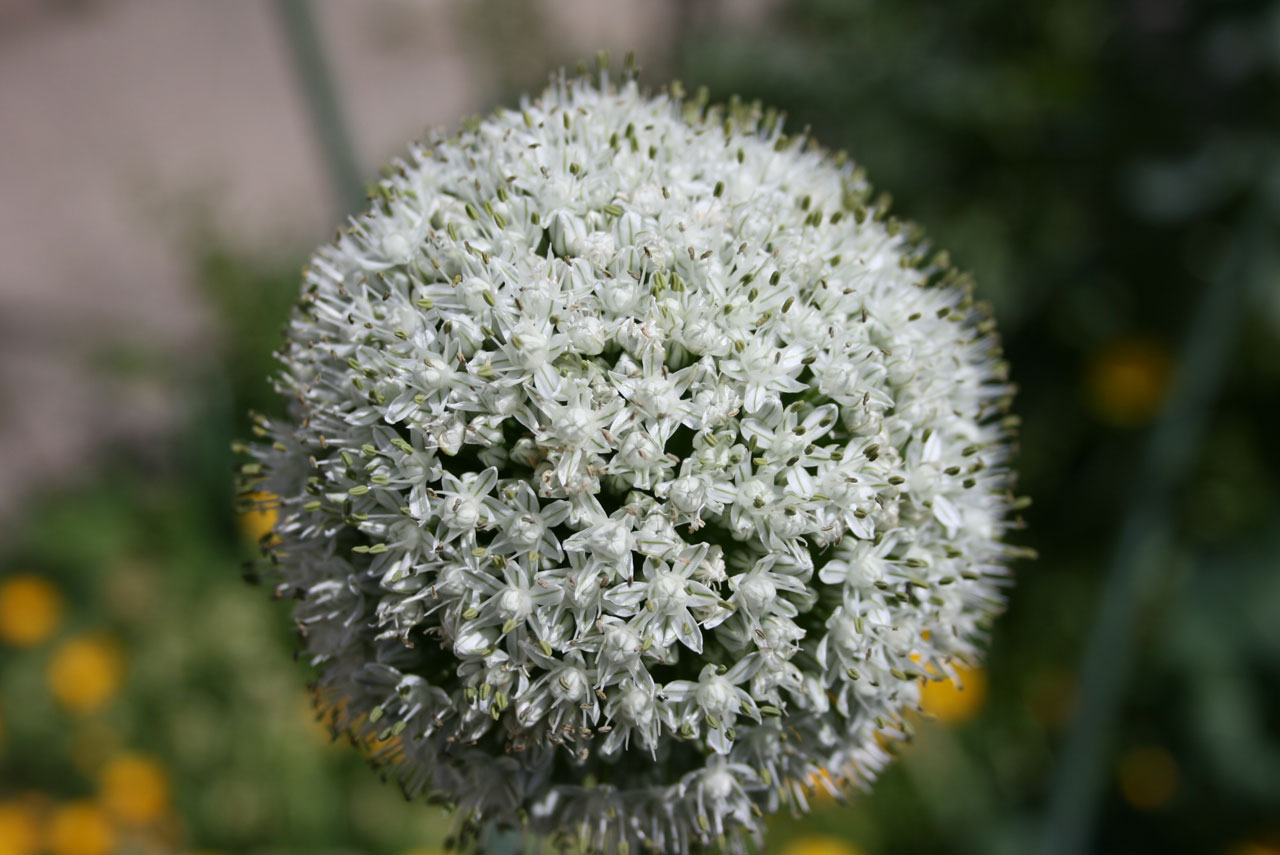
322 102
1171 450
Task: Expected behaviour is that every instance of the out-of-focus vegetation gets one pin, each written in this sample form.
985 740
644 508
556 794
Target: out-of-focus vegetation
149 694
1090 162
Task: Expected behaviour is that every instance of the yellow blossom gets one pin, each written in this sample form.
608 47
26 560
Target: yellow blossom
19 829
134 789
80 828
1148 777
1127 380
258 521
30 609
317 719
819 785
85 672
1258 847
820 845
951 704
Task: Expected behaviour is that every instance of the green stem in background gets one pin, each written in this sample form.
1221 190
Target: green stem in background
934 764
322 102
1171 450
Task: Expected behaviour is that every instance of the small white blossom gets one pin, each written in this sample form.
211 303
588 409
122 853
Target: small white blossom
638 468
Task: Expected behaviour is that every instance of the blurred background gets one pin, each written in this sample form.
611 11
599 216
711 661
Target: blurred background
1109 171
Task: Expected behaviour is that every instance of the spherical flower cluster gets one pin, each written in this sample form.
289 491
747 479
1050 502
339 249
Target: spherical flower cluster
639 469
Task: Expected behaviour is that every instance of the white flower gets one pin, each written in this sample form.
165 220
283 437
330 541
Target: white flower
637 468
633 708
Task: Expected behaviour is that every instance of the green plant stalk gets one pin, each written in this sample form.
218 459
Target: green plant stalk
1171 450
322 102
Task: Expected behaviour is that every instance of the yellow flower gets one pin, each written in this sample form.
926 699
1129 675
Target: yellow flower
949 703
1258 847
257 522
30 609
317 718
19 829
85 672
820 845
385 750
1127 380
819 785
80 828
1148 777
134 789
